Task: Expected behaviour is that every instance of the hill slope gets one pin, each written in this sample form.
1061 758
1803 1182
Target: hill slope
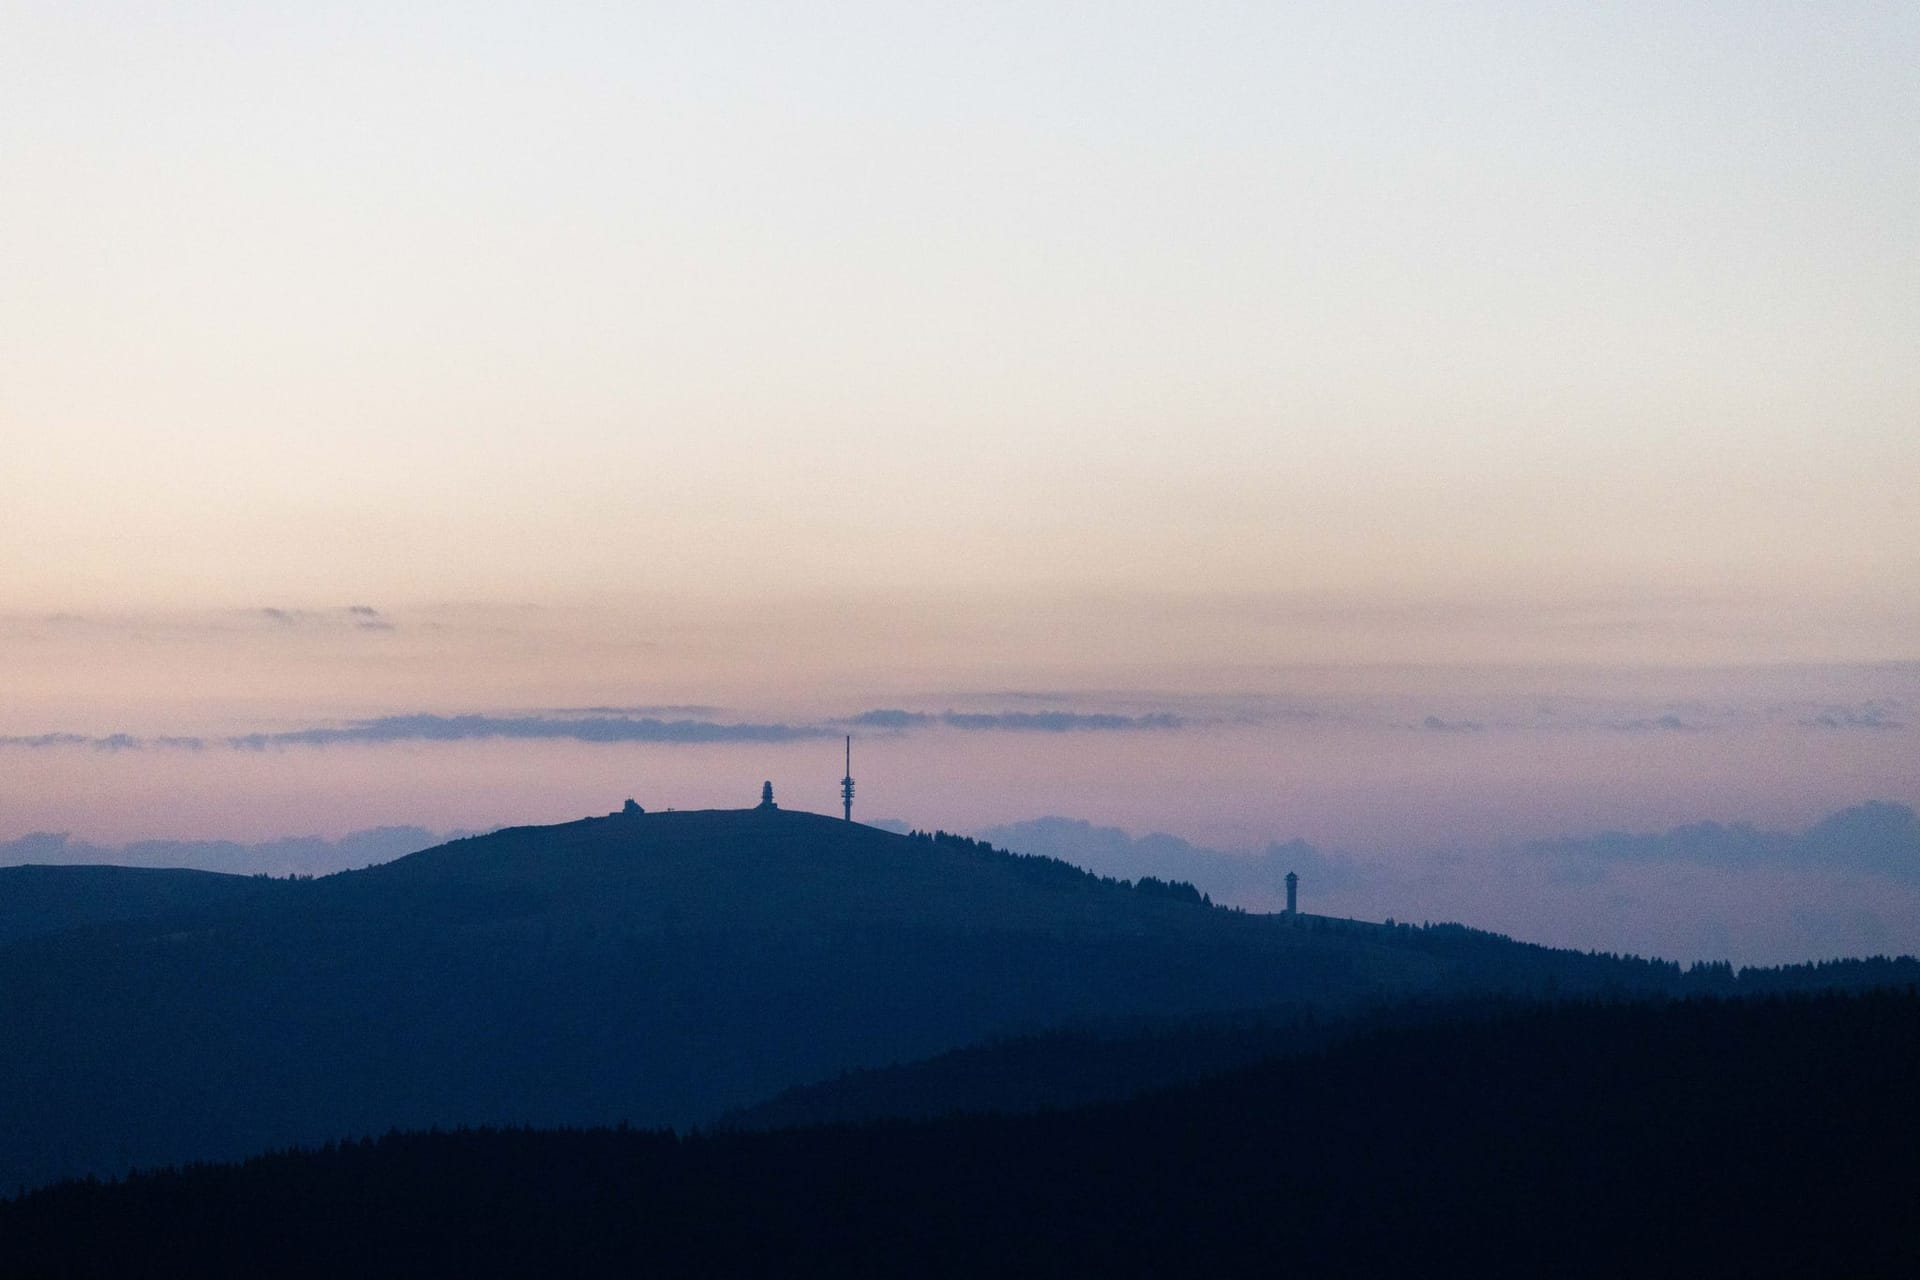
656 969
1705 1138
37 900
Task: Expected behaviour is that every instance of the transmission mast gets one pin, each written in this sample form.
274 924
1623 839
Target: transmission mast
846 783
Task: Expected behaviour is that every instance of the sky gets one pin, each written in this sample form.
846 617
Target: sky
1401 427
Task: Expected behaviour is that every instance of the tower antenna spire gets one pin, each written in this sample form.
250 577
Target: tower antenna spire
846 783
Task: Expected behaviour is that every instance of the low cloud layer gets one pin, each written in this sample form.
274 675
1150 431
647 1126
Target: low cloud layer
1487 716
1014 721
1434 724
1847 885
1253 878
360 617
103 742
437 728
1668 723
614 728
1867 715
606 725
1876 838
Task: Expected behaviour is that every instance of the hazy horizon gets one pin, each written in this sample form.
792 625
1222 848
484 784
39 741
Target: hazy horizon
1395 428
1846 885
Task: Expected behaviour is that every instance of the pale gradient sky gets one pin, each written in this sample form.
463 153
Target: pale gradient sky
447 301
804 360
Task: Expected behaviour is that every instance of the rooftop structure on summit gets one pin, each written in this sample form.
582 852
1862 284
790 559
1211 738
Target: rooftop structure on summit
766 796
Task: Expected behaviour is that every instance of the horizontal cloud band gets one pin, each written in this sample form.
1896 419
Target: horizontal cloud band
431 728
1878 837
1017 721
107 742
601 729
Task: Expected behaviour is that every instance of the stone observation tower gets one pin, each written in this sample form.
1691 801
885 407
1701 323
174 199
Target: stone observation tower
766 796
846 783
1293 892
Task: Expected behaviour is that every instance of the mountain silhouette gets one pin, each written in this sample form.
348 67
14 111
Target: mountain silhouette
656 969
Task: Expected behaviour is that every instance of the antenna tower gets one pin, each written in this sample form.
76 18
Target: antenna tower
846 783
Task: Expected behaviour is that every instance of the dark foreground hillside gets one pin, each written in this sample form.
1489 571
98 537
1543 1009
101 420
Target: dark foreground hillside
1078 1066
655 969
1771 1137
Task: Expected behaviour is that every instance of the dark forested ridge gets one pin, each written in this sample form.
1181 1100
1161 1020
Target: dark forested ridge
39 900
1698 1138
1087 1064
656 969
1052 1070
